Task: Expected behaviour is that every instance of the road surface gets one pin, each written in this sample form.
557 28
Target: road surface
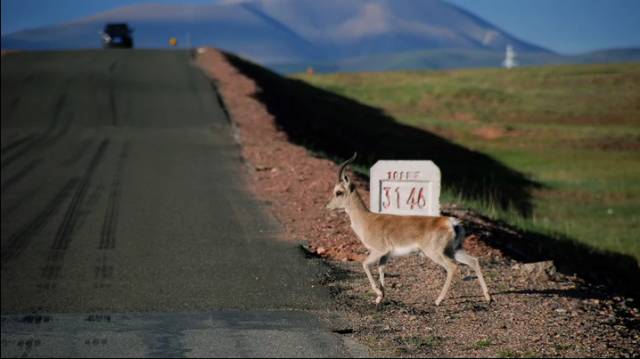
127 229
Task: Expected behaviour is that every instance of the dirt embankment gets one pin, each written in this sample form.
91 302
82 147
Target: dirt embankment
537 311
295 183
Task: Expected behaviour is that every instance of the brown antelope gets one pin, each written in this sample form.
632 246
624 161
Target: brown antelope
385 235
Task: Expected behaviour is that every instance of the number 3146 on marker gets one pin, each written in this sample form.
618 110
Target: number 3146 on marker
404 197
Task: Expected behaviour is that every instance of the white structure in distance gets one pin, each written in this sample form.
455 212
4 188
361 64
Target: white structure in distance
405 188
510 58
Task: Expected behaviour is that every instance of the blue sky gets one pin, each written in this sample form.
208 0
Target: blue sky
565 26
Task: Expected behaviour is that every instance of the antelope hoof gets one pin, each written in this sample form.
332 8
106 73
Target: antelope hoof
379 299
438 301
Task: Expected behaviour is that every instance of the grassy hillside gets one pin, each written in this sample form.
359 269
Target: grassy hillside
573 130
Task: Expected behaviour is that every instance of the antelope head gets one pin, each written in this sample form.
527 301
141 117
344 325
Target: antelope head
343 188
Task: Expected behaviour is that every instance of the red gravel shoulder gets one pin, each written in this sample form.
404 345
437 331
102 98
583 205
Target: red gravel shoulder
295 183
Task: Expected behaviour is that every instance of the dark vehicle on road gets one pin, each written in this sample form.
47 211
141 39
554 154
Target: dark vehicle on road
117 35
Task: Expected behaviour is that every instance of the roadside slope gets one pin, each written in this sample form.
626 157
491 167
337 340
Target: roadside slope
537 310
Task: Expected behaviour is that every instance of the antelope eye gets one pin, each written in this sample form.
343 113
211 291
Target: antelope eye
339 193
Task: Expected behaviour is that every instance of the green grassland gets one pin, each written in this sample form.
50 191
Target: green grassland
575 129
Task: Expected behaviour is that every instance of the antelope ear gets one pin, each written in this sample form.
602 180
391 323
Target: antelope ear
346 180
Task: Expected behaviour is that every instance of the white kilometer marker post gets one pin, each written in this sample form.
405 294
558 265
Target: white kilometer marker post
405 188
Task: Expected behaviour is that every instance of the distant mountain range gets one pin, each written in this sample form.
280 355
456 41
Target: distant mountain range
330 35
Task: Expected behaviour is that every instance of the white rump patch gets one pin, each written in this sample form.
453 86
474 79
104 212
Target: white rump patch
403 251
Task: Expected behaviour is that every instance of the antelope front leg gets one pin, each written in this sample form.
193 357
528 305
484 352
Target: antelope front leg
371 259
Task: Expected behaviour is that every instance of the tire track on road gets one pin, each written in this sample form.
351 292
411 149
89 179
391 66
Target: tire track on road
64 129
64 235
104 270
23 149
19 175
42 140
20 240
107 238
65 231
15 143
6 211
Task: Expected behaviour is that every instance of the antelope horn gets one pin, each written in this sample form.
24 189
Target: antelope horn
344 165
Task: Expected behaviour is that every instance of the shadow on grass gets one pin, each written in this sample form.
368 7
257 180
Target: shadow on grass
337 126
618 272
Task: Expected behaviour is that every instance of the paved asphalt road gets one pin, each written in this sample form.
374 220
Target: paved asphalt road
126 225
